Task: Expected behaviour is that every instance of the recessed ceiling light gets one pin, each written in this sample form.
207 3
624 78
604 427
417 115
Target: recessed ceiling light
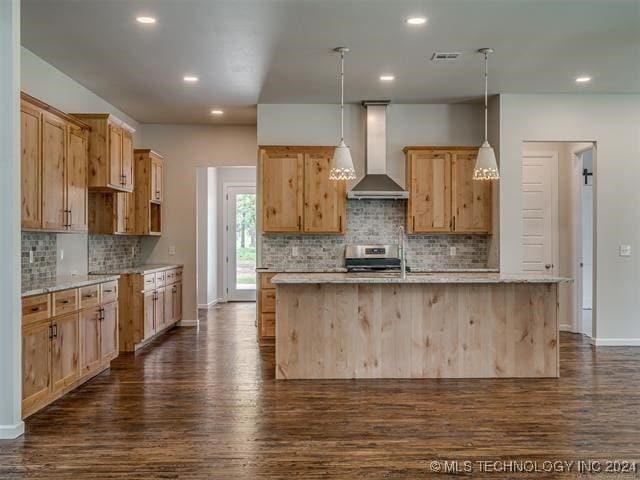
146 20
190 78
583 79
217 111
416 20
387 78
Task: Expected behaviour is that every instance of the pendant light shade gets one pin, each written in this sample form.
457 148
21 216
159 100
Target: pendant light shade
342 163
486 165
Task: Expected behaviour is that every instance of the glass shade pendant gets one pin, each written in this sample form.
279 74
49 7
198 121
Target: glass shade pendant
342 163
486 165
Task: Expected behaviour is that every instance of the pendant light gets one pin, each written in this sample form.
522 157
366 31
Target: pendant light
486 166
342 164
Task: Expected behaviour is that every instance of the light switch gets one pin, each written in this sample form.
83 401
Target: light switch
453 251
625 250
172 249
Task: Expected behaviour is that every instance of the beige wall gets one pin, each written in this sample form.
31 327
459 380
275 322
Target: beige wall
613 122
184 148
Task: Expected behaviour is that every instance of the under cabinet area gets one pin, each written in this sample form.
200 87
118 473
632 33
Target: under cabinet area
54 166
153 303
296 194
68 337
443 197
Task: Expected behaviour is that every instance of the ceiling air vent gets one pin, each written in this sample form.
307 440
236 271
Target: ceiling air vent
445 56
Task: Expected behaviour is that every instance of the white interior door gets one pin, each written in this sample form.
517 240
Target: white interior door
241 243
539 212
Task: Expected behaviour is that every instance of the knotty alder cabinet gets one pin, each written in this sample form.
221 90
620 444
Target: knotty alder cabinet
68 337
266 309
151 304
443 197
149 192
110 153
296 194
54 156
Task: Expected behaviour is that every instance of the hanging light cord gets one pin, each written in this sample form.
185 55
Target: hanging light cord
342 96
486 86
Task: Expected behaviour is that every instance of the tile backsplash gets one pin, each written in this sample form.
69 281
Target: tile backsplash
374 221
44 248
107 252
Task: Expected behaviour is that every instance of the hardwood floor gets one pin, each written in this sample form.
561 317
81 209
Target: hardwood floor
204 404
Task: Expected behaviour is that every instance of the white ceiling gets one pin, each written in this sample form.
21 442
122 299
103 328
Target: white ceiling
280 51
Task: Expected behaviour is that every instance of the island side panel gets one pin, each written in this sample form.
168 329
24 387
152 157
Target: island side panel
332 330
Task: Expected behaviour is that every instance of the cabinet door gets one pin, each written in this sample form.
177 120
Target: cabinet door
115 157
177 302
36 362
122 212
148 304
65 351
53 173
30 165
429 180
324 199
159 309
281 189
471 199
109 332
169 299
127 161
157 171
77 194
89 340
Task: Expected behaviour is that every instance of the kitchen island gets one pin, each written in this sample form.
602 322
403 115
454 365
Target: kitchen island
427 325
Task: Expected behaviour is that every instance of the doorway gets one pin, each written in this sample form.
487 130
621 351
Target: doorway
558 224
241 242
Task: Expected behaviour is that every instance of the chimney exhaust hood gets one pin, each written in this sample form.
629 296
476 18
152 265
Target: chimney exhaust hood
376 184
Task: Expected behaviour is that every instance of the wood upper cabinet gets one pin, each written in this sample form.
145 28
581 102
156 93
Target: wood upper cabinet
65 351
31 165
109 332
110 153
125 213
324 199
54 206
296 194
36 362
443 197
54 156
470 199
149 192
157 172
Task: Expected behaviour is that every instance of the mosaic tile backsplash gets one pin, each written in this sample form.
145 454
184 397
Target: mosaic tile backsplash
374 221
109 252
44 248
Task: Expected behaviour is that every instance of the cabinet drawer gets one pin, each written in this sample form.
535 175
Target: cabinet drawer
109 292
89 296
170 278
267 325
268 301
161 279
35 308
64 302
265 280
149 282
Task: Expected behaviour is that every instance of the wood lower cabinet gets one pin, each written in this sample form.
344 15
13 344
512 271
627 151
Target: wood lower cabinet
266 309
67 338
296 194
54 163
443 197
150 304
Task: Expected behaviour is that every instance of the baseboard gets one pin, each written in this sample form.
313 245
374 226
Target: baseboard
204 306
615 342
9 432
188 323
566 327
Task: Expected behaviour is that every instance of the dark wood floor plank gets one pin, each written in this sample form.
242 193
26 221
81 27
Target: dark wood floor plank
203 403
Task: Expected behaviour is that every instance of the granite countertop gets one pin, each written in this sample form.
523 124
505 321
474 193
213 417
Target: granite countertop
344 270
55 284
140 269
432 277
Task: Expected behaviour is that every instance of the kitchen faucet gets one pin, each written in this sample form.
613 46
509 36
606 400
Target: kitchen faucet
403 258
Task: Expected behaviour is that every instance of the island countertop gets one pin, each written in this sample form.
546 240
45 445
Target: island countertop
431 277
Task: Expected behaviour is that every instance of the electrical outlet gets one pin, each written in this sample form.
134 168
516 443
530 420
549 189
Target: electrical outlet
172 249
31 259
625 250
133 251
453 251
295 251
61 254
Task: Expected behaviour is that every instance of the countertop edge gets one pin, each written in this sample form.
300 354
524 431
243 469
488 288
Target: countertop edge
416 278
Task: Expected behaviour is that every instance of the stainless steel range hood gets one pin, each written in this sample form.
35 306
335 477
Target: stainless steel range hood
376 183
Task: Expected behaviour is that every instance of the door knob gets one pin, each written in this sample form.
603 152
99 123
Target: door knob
548 266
